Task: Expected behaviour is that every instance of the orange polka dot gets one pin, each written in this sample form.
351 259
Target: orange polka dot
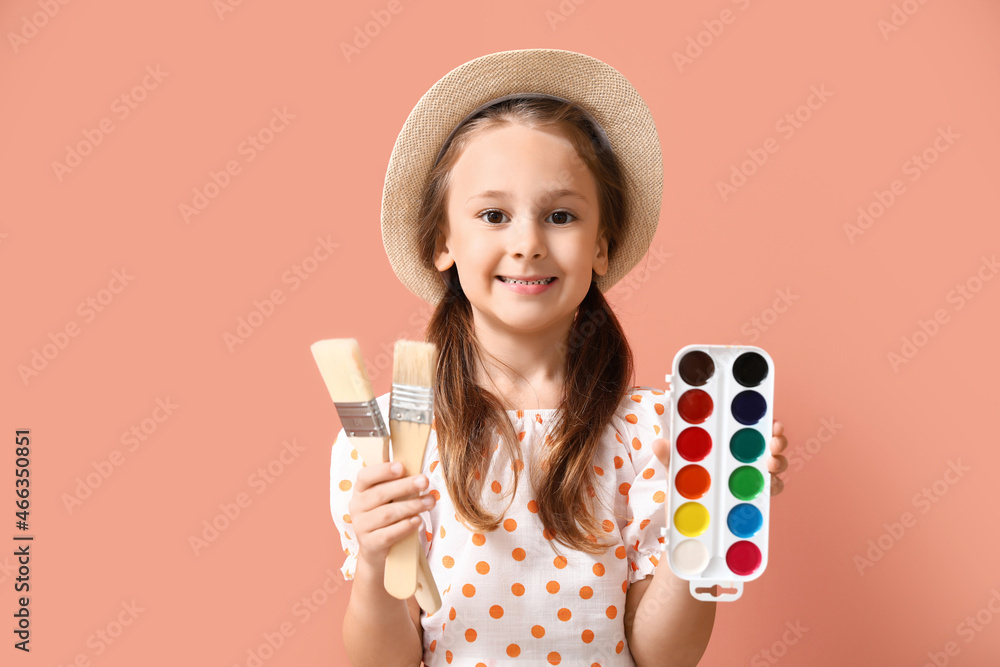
482 567
433 645
354 454
480 664
620 647
619 462
442 531
609 525
618 436
552 587
537 631
533 507
620 552
647 473
513 650
517 465
659 497
470 635
656 429
631 418
599 569
624 488
538 418
656 392
496 611
587 636
564 614
586 592
591 538
520 436
495 486
612 611
345 485
479 539
560 562
476 474
510 525
517 589
448 656
554 658
636 444
548 534
347 518
518 554
643 524
636 397
625 586
434 464
429 535
468 590
654 560
436 494
658 407
448 561
598 470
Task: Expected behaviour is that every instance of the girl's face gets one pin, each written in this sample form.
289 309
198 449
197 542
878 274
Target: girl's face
521 203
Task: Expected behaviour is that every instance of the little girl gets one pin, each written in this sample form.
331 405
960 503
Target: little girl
523 185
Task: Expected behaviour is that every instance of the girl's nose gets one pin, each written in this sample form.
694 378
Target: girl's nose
527 239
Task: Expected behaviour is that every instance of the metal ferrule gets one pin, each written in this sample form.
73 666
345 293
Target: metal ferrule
409 403
362 419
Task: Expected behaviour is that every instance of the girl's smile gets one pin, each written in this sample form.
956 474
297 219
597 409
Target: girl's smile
526 285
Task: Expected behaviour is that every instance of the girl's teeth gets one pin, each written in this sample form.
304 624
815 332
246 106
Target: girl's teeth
544 281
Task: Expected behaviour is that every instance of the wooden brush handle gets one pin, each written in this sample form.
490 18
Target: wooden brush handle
408 442
375 450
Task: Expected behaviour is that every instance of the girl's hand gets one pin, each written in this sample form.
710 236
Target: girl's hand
775 464
378 522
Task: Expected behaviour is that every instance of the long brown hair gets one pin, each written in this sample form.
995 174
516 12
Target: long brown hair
597 358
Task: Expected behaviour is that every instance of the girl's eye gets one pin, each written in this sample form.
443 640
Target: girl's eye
490 216
564 220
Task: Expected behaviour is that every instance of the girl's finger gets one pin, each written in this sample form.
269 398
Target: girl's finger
778 444
383 538
371 475
777 485
777 464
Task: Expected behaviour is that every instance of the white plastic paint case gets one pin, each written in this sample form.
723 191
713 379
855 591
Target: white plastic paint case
718 556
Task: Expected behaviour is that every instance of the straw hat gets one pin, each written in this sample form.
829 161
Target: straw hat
593 85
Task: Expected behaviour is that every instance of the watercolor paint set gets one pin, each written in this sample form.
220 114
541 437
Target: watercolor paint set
719 485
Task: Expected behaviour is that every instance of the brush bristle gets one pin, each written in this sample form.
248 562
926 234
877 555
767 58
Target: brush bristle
343 369
414 363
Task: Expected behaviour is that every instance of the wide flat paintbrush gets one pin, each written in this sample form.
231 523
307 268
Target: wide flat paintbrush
343 370
411 407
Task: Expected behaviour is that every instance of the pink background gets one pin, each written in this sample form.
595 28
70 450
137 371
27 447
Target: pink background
716 264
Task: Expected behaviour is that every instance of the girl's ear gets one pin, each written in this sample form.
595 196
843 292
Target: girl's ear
601 255
442 256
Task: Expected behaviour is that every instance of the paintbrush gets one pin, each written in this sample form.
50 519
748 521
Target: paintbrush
343 370
411 407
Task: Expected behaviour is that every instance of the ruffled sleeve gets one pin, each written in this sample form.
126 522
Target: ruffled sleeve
345 462
647 418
